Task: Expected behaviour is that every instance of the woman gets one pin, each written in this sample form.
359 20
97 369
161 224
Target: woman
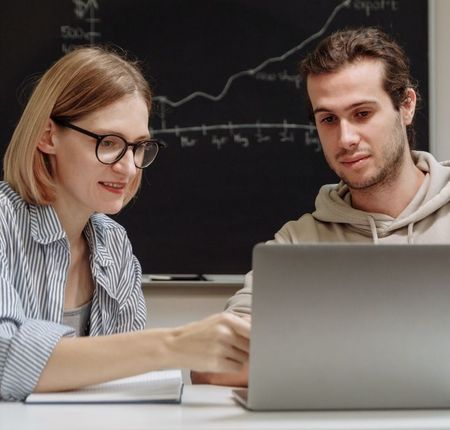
78 152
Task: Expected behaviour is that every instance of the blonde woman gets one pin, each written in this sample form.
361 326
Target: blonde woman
72 311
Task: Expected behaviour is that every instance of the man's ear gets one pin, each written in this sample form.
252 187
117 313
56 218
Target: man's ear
46 143
408 106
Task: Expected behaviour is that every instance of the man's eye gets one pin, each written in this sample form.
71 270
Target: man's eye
327 120
363 114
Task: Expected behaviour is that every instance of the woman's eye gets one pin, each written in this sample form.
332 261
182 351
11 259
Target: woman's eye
108 143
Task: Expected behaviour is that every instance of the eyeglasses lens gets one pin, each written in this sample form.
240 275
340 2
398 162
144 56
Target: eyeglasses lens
110 149
145 154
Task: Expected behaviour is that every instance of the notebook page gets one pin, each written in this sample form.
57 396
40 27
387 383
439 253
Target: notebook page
157 386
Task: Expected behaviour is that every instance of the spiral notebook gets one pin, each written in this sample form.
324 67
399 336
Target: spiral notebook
164 386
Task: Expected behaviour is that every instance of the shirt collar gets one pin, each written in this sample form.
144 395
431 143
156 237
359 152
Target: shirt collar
46 228
96 237
100 255
45 225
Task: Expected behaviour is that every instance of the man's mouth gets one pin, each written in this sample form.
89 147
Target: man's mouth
354 159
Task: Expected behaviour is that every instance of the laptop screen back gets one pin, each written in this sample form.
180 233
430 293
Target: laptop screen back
340 326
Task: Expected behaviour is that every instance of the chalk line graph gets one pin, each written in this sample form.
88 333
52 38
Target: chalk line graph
164 101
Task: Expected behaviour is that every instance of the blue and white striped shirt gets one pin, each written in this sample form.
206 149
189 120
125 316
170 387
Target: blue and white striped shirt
34 262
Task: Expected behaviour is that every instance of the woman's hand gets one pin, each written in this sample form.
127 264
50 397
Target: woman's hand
219 343
233 379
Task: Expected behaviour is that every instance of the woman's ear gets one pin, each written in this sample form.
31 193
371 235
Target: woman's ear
408 107
48 139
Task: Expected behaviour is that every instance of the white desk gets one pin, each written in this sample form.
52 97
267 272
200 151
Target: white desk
206 407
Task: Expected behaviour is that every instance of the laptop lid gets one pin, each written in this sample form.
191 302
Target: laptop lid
346 326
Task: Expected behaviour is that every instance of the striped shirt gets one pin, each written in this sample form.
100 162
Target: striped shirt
34 262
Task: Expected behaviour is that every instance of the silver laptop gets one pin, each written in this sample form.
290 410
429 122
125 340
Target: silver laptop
338 326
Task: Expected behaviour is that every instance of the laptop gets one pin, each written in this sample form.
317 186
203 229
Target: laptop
349 326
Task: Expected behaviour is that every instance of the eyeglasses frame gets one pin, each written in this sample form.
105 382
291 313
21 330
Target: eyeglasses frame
100 137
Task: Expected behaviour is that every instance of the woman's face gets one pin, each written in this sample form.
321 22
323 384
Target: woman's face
83 183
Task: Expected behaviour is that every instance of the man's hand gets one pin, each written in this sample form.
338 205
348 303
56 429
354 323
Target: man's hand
239 379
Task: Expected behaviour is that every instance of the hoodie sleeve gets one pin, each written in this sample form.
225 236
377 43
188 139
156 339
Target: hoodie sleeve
241 302
292 232
304 229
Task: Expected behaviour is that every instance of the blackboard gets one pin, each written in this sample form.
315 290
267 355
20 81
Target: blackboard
242 156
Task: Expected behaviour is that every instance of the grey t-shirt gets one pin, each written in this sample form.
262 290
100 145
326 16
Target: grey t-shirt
78 318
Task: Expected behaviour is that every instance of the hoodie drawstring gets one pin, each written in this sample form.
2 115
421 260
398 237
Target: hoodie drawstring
373 229
410 233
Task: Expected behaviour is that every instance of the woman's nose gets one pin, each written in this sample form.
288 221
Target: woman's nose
126 163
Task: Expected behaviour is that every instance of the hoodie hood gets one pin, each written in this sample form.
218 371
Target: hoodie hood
333 203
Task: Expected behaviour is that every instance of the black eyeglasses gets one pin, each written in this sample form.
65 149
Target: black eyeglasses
111 148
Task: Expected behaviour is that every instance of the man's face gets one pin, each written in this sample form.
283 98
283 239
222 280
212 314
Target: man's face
363 137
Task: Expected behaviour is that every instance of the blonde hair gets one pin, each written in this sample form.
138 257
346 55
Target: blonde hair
81 82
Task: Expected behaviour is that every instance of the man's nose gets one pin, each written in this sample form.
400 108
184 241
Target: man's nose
349 135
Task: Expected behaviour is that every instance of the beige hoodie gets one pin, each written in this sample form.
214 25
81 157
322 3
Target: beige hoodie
426 219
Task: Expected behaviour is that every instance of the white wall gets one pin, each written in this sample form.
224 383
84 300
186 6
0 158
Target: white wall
440 78
171 305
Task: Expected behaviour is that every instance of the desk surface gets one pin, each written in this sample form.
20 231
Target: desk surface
206 407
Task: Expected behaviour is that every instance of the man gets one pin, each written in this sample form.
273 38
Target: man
363 101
